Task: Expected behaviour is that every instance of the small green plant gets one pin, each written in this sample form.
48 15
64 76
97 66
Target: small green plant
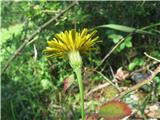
135 63
70 44
126 44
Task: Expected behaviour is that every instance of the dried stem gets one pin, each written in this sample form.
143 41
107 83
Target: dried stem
109 81
97 88
112 50
137 86
153 58
107 55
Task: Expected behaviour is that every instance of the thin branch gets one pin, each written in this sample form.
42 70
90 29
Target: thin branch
97 88
150 26
109 81
143 68
112 50
35 52
14 55
106 84
137 86
114 78
107 55
153 58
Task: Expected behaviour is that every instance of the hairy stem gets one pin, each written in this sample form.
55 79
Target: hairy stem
79 77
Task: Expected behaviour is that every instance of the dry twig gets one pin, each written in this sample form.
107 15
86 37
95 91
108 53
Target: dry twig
113 49
137 86
153 58
97 88
107 55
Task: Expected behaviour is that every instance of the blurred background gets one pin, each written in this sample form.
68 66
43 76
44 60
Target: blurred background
32 85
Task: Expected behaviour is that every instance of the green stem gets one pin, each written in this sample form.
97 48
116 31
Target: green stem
79 77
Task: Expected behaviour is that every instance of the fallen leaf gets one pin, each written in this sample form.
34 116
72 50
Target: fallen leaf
114 110
121 74
68 82
91 117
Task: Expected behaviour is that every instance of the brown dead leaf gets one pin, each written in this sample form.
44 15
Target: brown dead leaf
91 117
121 74
68 81
153 111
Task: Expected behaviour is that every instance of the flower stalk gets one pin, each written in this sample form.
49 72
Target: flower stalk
79 78
69 44
76 64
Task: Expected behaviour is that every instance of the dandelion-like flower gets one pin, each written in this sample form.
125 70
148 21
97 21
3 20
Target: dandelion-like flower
69 41
71 44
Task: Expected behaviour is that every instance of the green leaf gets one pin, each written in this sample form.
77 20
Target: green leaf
140 62
136 62
115 37
128 42
114 110
122 46
131 66
124 28
118 27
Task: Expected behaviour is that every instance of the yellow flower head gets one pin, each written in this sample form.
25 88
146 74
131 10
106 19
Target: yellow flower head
69 41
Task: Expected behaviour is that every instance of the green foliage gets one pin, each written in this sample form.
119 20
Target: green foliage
157 82
32 86
124 28
115 37
119 27
135 63
126 44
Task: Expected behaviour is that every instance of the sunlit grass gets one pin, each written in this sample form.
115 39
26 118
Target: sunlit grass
7 33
